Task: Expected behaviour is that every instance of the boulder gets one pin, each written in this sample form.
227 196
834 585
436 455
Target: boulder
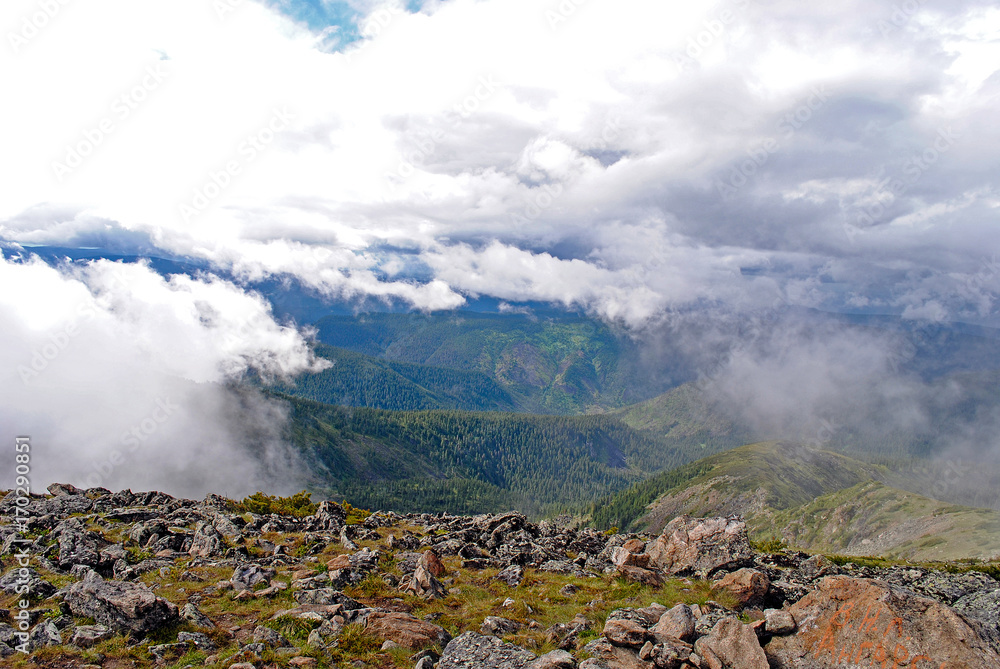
731 645
19 577
748 587
850 621
475 651
269 637
701 546
207 541
405 630
609 656
512 576
625 633
677 623
432 563
248 576
556 659
123 606
78 546
778 621
641 575
86 636
423 584
500 626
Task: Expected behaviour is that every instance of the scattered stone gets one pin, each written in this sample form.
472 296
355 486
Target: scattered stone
269 637
86 636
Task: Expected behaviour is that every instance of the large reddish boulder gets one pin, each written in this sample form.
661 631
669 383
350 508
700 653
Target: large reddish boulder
860 622
701 546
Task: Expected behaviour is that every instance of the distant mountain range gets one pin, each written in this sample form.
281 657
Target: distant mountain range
543 410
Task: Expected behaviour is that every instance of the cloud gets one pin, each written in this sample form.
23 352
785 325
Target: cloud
762 130
120 377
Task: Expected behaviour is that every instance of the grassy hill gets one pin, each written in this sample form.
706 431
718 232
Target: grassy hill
557 365
874 519
813 499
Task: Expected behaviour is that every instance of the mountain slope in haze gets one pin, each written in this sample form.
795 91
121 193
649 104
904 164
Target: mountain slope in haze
561 364
359 380
815 500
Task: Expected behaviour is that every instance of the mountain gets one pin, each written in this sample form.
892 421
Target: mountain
479 461
359 380
814 500
557 363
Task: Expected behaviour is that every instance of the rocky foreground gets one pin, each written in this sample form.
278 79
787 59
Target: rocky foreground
142 580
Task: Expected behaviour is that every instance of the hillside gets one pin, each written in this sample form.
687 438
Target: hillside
813 500
559 364
479 461
360 380
874 519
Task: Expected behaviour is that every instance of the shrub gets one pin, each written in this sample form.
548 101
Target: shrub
298 505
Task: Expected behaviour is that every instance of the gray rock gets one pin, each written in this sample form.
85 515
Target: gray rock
778 621
475 651
200 641
246 577
732 644
192 614
556 659
86 636
124 607
512 576
500 626
44 634
423 584
269 637
19 577
207 541
701 546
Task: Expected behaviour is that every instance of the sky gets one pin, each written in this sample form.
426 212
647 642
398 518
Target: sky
632 159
